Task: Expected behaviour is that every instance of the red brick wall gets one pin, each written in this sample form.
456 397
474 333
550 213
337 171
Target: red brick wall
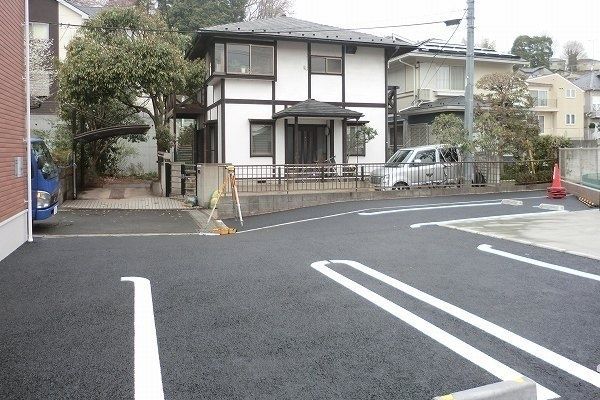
13 190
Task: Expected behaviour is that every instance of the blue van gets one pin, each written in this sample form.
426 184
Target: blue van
44 181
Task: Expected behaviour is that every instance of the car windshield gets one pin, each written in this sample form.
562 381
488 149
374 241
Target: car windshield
44 160
399 157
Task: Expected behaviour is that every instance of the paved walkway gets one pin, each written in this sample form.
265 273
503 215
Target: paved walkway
575 232
136 203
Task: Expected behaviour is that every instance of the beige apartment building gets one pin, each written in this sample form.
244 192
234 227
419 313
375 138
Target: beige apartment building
559 105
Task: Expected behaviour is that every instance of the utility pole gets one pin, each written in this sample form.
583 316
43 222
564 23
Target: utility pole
470 70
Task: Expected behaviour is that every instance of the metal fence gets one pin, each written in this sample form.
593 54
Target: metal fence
385 176
581 166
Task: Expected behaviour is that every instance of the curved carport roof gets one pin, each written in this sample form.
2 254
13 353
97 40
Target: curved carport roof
111 131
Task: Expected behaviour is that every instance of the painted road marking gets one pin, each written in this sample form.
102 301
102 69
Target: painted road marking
488 249
453 343
490 218
376 208
505 335
125 235
497 203
148 380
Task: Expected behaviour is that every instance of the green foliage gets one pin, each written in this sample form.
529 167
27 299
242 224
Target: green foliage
191 15
123 55
535 49
186 135
450 129
362 136
545 147
504 121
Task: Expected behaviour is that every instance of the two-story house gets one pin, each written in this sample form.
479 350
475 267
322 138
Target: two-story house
590 84
431 81
56 21
559 105
283 90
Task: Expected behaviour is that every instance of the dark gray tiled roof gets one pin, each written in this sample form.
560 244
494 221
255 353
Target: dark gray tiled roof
89 10
436 46
299 29
318 109
589 81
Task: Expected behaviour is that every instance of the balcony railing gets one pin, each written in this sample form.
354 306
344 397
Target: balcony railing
541 103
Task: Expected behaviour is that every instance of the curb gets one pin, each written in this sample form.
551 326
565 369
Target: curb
518 389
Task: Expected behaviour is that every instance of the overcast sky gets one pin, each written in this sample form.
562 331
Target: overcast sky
498 20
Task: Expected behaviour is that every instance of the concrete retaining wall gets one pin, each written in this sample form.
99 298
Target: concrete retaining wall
256 204
590 194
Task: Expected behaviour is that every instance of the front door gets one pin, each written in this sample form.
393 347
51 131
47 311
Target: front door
308 147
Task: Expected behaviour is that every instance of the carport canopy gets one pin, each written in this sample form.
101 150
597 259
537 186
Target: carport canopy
111 131
316 109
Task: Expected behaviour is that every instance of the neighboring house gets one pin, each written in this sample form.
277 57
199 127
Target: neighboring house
590 83
431 81
534 72
587 64
13 150
558 64
58 21
283 90
559 106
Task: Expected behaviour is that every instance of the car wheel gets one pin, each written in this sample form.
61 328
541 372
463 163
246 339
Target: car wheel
400 186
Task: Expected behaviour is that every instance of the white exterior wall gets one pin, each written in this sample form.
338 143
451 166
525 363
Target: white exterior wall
237 132
375 150
367 62
66 33
13 232
327 88
292 71
255 89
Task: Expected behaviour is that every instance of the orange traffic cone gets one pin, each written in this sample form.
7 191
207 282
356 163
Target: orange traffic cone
556 191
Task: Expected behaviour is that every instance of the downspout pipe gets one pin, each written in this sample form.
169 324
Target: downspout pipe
28 126
414 68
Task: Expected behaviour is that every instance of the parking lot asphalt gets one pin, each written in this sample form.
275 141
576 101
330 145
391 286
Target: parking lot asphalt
277 311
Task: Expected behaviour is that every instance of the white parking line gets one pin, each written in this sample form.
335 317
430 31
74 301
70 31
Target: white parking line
416 206
429 208
555 359
461 348
91 235
148 379
488 249
490 218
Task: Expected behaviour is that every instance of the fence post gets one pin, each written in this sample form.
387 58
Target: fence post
167 179
279 176
183 179
362 173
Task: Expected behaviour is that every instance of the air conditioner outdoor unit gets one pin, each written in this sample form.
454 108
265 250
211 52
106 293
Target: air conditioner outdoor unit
426 95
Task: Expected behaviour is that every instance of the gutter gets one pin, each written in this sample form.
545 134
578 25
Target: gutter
28 126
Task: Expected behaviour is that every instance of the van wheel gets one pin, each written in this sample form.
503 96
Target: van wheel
400 186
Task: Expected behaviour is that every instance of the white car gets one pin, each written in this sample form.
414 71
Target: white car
419 166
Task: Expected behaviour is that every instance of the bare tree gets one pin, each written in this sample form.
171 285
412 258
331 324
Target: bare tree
261 9
42 71
487 44
573 51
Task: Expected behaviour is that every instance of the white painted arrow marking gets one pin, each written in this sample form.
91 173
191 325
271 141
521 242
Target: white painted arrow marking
461 348
148 379
488 249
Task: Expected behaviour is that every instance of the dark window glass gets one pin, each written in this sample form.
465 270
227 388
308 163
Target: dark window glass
261 140
317 64
238 58
334 66
355 145
261 60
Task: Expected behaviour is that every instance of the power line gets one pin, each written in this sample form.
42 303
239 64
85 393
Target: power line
254 31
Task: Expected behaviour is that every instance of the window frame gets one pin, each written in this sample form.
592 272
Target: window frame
537 98
44 24
541 119
350 152
250 72
567 93
269 122
569 119
325 71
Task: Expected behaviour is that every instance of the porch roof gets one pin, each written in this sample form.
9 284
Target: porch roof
316 109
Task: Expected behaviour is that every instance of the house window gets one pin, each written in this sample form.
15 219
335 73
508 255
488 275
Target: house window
570 93
457 78
250 59
570 119
39 31
540 97
541 121
261 138
443 77
219 57
355 141
325 65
